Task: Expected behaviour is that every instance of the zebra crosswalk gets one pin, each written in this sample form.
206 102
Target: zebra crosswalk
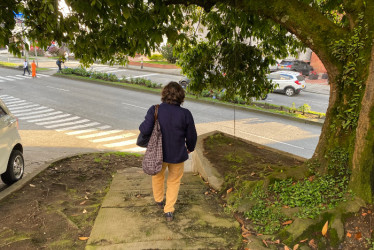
19 77
72 125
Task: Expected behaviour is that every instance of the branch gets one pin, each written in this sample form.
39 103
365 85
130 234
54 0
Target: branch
352 9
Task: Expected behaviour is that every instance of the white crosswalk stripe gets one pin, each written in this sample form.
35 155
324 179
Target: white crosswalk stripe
15 77
67 124
79 126
39 116
23 106
85 131
15 102
7 79
19 77
19 112
72 125
119 144
99 134
34 113
57 121
6 100
113 138
48 118
23 76
137 149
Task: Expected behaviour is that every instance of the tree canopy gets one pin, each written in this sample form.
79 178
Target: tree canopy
340 32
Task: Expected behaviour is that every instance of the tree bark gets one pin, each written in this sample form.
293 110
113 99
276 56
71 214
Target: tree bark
362 179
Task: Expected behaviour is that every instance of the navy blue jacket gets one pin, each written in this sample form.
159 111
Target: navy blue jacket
177 128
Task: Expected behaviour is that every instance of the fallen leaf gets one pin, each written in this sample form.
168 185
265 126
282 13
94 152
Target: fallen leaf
358 236
369 211
259 234
302 241
206 193
253 173
295 247
88 193
266 244
349 235
311 178
246 241
237 177
246 234
325 227
364 214
83 202
83 238
86 197
276 242
84 211
229 190
286 207
312 244
32 185
286 247
287 222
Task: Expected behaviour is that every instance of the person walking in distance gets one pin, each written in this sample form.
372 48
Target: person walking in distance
33 69
178 140
26 67
58 62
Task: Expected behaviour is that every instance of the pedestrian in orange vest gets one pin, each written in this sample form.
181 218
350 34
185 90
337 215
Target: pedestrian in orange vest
33 69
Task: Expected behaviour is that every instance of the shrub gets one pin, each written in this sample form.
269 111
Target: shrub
54 51
167 53
156 57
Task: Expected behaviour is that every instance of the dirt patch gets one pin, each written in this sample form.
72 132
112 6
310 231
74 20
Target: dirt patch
60 205
229 155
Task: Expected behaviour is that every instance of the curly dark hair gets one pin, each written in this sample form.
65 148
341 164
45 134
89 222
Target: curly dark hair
172 93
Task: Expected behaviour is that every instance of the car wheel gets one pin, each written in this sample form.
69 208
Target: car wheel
289 91
183 84
15 169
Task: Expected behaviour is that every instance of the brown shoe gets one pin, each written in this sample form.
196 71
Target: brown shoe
160 205
169 216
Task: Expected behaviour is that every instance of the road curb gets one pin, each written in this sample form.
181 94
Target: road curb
154 91
29 177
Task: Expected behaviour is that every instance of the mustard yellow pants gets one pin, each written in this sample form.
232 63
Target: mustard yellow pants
173 183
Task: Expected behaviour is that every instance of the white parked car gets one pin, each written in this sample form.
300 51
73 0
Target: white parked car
11 151
288 82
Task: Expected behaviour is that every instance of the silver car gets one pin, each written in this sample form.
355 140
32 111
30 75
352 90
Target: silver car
287 82
11 151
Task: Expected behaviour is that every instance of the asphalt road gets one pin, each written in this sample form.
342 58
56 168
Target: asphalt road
318 102
58 117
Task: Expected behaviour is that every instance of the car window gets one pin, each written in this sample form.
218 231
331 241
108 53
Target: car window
273 76
2 112
286 63
285 77
300 78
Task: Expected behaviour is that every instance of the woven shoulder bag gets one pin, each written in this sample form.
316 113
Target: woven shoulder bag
152 161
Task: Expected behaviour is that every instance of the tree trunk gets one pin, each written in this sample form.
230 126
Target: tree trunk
357 144
362 179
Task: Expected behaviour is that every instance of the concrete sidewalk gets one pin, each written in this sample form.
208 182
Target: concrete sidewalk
129 218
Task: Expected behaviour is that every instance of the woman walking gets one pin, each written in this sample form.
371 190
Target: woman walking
178 140
33 69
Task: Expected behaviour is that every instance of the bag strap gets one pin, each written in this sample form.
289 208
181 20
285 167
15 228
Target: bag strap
156 112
